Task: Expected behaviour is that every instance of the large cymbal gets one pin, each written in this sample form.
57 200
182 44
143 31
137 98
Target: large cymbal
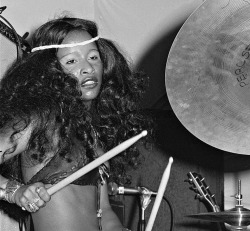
208 74
232 217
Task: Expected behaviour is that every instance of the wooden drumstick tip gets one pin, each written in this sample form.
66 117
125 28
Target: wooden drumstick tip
144 133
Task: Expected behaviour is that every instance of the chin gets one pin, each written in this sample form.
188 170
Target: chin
90 94
89 97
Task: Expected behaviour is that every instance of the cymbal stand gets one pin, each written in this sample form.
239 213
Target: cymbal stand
239 208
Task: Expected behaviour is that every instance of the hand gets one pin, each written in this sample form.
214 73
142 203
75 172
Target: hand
32 197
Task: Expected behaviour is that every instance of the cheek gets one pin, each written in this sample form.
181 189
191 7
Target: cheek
73 71
99 69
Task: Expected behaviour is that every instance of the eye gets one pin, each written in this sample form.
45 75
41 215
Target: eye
10 150
71 61
68 60
94 56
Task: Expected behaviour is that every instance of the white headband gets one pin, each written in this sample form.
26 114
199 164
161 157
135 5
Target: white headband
65 45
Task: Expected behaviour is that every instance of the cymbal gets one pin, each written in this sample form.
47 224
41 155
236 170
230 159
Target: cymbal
208 74
232 217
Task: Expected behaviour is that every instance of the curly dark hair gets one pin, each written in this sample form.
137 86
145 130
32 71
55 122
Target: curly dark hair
116 113
119 115
36 91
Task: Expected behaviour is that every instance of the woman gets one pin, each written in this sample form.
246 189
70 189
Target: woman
89 118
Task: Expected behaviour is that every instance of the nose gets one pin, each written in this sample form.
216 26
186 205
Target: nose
86 68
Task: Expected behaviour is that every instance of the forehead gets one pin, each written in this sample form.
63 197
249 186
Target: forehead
76 37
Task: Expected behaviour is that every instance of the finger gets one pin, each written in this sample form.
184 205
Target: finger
31 207
39 202
43 194
23 202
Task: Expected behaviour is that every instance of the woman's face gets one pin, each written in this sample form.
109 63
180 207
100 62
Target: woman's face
83 62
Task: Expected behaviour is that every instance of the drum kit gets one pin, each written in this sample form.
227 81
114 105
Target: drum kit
208 85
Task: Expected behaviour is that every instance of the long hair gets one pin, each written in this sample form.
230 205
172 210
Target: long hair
36 92
116 113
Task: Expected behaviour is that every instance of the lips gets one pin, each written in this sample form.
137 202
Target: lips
89 83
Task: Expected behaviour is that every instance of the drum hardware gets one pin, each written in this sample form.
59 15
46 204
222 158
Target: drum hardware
144 194
114 189
145 199
238 217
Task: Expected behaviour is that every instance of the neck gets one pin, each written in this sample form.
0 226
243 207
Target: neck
87 104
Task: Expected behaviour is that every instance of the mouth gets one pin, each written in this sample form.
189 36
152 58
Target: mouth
89 83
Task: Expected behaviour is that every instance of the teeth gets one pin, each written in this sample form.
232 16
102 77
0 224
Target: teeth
89 82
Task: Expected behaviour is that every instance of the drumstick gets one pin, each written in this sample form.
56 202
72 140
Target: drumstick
160 194
95 163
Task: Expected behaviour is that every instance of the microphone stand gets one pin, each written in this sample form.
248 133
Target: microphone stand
145 201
